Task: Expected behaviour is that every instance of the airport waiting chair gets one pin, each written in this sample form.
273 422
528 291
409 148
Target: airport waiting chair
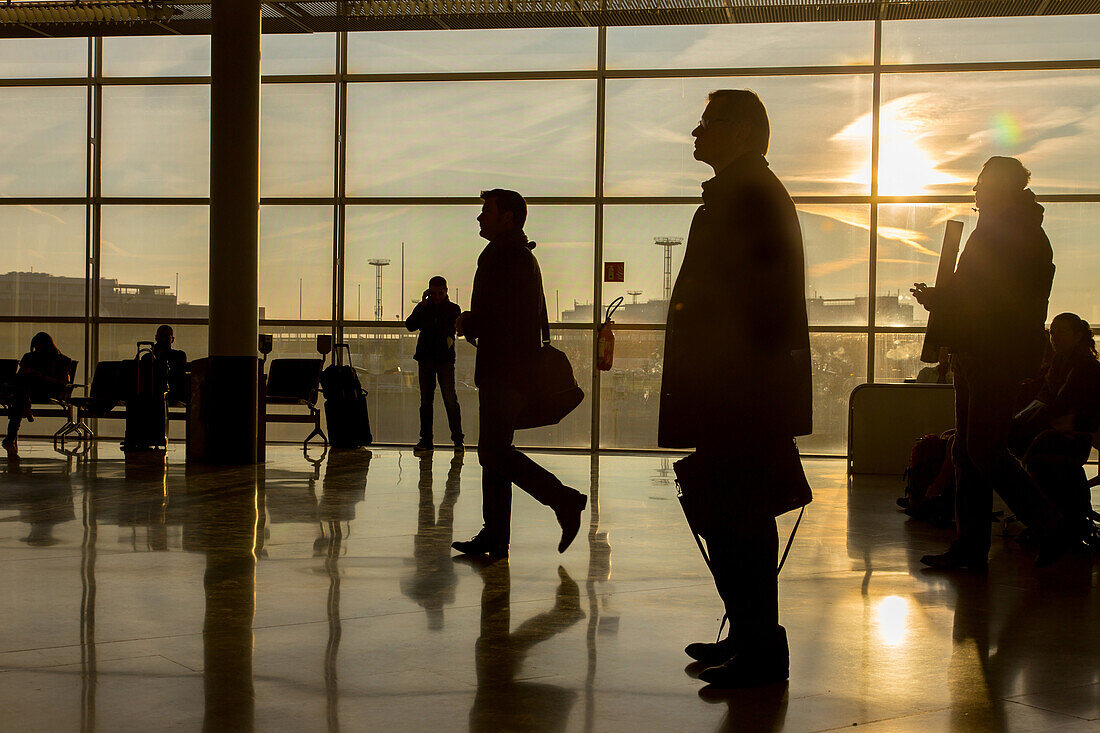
296 382
107 390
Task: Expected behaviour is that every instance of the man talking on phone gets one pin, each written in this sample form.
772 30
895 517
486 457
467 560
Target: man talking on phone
434 316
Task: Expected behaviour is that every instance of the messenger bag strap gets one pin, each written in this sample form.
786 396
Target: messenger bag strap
545 322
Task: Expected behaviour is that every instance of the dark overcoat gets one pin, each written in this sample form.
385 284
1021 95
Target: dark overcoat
737 364
1001 287
506 312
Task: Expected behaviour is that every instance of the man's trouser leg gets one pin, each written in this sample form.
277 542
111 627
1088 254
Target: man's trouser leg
502 465
973 496
426 375
446 375
989 463
743 559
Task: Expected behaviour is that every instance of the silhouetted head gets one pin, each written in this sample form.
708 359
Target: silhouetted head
1069 332
42 343
734 123
437 288
165 336
1000 182
502 211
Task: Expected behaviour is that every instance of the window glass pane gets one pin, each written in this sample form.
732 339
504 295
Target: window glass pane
910 237
834 238
630 394
154 262
938 129
45 260
298 53
839 365
499 49
443 240
156 141
1072 231
383 359
43 148
156 56
1069 37
36 58
458 138
740 45
897 356
630 236
818 144
297 128
295 262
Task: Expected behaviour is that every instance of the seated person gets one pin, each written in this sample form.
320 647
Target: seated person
43 373
171 365
1054 434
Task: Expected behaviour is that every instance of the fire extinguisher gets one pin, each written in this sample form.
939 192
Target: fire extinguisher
605 339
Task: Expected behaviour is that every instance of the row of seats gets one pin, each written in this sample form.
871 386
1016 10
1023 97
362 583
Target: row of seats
289 382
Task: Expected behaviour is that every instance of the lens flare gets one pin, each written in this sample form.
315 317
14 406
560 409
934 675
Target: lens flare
1006 130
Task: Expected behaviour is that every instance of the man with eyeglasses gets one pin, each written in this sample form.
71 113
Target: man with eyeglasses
736 383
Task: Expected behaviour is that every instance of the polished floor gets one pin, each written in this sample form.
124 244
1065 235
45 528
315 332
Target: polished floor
147 595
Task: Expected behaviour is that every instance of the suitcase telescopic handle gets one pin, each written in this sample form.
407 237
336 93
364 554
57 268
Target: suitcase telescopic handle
346 348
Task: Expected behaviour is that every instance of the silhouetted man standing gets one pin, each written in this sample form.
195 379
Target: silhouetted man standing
434 316
993 314
736 383
507 310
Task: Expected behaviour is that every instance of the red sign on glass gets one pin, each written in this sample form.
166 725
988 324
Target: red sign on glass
614 272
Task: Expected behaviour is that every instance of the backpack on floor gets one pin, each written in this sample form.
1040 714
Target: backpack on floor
925 461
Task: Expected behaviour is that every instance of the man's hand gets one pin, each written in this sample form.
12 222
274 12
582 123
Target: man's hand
924 295
458 323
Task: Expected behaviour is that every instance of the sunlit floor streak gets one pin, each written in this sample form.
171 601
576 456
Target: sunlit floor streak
148 596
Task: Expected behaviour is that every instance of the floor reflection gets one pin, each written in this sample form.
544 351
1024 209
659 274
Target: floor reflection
313 614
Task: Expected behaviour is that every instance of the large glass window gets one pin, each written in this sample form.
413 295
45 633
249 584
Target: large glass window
45 261
497 50
458 138
156 140
443 240
43 150
434 117
154 262
818 144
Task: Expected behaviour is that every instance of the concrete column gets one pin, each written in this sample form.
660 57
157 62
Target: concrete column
231 396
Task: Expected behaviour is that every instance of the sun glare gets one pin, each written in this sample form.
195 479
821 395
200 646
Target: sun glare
905 167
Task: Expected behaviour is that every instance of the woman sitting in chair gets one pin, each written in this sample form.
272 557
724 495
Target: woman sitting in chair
1054 434
43 373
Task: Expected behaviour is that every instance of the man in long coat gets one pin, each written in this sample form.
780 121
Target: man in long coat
736 383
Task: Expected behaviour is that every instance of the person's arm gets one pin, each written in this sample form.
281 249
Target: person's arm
413 321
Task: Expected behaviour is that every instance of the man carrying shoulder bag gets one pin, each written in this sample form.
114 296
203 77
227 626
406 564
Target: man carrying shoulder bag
505 322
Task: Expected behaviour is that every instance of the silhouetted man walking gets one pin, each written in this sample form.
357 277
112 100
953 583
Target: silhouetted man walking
434 316
993 314
736 383
507 310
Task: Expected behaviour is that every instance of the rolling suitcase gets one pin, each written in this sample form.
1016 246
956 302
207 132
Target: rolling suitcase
146 408
345 405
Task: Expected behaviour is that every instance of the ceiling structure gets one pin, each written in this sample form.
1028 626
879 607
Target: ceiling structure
192 17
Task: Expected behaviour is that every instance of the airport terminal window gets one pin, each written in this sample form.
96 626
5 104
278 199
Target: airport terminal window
539 136
297 129
454 138
740 46
154 262
820 136
156 140
443 240
44 269
513 49
43 148
295 280
938 129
